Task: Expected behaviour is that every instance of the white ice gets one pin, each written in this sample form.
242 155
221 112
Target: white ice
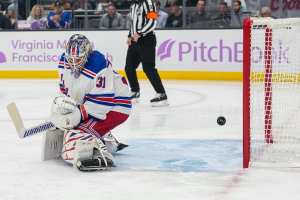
176 153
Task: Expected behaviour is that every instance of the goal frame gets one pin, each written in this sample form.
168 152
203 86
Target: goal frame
246 88
271 72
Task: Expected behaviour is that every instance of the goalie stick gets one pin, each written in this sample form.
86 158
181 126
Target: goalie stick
19 125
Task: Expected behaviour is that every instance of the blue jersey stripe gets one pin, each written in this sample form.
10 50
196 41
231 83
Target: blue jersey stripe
101 95
109 104
101 102
123 98
124 105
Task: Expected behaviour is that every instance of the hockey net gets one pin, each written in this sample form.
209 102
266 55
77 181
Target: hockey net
271 91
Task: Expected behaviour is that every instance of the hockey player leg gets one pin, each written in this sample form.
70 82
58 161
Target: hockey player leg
52 144
103 128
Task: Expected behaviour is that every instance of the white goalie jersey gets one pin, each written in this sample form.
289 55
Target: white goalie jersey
97 88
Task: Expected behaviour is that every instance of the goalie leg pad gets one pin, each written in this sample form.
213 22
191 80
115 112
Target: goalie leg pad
86 151
70 139
92 155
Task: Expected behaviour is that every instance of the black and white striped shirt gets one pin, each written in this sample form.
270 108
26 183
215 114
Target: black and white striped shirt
142 17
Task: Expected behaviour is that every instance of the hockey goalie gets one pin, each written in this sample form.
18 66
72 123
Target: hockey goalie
94 99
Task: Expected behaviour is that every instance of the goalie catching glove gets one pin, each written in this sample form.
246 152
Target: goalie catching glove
65 114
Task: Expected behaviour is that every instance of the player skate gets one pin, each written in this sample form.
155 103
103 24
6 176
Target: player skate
112 144
135 96
160 100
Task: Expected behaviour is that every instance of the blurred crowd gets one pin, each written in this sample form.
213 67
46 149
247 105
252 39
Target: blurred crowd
112 14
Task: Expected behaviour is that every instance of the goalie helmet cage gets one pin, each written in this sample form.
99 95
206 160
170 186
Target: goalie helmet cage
271 92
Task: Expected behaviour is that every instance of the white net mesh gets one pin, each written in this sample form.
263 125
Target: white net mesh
275 92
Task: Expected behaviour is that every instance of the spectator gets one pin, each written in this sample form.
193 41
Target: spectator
127 21
254 6
11 14
170 2
67 5
191 3
80 5
102 5
112 19
243 3
22 9
36 18
175 18
200 18
222 20
162 16
237 15
5 22
1 6
265 12
58 18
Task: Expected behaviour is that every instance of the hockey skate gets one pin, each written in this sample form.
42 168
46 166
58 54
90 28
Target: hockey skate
135 97
112 144
159 100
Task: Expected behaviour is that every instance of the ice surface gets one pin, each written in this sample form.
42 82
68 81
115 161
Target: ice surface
176 153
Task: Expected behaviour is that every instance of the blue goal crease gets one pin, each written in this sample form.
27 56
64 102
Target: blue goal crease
183 155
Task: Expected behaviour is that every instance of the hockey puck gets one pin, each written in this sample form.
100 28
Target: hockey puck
221 120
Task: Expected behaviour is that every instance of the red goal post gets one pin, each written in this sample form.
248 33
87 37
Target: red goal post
271 92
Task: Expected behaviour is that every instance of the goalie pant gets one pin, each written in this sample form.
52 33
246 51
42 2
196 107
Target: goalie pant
88 130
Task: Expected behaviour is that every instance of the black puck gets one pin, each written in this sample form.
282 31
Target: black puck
221 120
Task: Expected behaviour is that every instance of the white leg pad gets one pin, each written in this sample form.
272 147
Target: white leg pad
52 144
84 149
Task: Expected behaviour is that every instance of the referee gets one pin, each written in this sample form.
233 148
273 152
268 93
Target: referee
141 49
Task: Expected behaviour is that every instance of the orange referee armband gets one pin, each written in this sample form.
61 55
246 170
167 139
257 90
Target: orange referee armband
152 15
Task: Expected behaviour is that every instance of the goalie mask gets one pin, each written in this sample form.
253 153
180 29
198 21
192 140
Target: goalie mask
77 51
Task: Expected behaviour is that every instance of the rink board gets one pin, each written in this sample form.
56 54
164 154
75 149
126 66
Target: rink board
182 55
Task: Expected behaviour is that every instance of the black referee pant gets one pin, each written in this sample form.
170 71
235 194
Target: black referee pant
143 51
